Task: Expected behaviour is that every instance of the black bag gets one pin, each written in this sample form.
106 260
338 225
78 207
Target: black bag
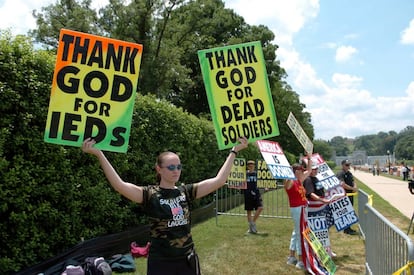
96 266
192 260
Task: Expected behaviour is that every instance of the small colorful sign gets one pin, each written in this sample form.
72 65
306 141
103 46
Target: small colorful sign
237 177
275 159
265 178
319 250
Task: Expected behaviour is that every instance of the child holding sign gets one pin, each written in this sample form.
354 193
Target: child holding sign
167 206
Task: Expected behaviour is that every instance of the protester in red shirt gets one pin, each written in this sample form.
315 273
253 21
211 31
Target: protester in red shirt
298 203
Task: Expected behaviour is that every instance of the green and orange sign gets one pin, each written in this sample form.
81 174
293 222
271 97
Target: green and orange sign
93 91
238 93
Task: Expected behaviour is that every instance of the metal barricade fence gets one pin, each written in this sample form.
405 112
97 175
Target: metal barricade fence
230 201
363 199
387 248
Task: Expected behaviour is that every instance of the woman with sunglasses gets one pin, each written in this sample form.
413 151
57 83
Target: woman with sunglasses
298 203
167 206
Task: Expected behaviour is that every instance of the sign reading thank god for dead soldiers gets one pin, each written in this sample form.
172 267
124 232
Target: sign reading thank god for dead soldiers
238 93
93 91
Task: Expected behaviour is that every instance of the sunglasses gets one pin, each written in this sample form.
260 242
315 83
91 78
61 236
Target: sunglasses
172 167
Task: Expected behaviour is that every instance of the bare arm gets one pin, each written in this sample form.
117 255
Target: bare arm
287 184
128 190
317 198
207 186
347 187
308 168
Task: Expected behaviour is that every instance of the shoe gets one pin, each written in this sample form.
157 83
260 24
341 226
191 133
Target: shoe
300 265
250 231
332 254
291 260
252 228
350 231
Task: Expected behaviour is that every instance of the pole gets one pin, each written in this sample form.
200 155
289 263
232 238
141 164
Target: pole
411 222
389 162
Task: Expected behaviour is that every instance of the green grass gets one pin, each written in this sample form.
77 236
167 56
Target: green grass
226 248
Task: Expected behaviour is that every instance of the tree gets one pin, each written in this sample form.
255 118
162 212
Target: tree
323 148
285 101
206 24
404 148
172 32
51 196
340 145
68 14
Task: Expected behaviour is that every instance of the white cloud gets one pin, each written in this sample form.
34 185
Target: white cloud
410 90
340 108
17 15
284 18
407 35
345 53
346 80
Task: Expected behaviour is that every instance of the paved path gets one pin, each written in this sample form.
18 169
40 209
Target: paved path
394 191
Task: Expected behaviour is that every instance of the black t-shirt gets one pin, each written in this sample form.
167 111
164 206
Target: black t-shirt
251 180
346 177
313 185
169 215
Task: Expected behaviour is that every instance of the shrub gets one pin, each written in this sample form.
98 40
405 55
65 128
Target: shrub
51 196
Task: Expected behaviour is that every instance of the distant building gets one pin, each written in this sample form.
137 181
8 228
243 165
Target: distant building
361 158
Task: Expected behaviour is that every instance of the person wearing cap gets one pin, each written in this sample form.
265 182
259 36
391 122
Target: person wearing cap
347 181
316 193
314 190
252 197
297 203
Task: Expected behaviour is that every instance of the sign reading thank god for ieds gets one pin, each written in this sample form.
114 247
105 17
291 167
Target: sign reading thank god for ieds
93 91
238 93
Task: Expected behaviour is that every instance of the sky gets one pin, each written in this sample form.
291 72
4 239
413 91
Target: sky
351 62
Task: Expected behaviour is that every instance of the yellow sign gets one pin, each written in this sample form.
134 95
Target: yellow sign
237 177
238 93
265 178
93 91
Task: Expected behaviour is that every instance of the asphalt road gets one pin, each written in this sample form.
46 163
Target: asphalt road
394 191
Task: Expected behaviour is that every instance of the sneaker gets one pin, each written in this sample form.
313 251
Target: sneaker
350 231
291 260
250 231
332 254
254 229
300 265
